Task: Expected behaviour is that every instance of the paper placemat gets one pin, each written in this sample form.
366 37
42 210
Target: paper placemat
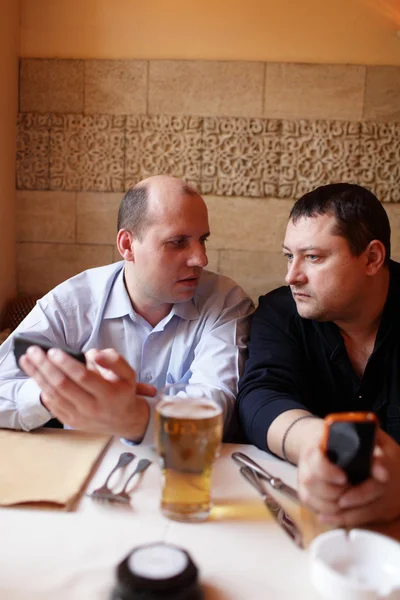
47 466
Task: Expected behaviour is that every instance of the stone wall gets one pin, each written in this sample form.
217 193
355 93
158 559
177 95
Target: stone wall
251 136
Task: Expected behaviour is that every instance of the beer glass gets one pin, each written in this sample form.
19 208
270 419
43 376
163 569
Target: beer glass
188 430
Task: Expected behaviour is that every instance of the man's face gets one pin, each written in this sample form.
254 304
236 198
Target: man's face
326 280
171 255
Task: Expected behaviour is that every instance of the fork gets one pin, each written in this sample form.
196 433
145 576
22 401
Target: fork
123 495
124 459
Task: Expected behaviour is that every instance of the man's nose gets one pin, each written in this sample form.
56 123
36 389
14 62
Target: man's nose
198 256
295 273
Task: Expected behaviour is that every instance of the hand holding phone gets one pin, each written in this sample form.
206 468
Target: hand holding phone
23 342
348 442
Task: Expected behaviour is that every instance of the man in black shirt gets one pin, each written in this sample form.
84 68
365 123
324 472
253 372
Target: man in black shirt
330 342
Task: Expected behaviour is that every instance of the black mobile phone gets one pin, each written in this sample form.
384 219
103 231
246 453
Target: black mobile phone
22 343
349 441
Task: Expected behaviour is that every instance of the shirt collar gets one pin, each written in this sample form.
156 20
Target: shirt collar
119 304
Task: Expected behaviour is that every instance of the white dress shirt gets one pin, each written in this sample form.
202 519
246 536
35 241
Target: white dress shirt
202 340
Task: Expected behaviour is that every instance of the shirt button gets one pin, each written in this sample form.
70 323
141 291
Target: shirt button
148 377
152 336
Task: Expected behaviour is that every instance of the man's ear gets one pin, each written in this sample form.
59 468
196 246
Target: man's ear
376 254
125 244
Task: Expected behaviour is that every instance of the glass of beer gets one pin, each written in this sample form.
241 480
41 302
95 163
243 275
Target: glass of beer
188 430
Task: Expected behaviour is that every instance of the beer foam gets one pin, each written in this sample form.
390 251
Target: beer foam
190 409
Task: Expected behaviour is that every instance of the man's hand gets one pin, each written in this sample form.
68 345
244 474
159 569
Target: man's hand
323 486
320 483
104 397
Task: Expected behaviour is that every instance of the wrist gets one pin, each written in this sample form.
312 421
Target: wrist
300 434
136 430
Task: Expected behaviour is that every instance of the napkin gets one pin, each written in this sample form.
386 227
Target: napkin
47 466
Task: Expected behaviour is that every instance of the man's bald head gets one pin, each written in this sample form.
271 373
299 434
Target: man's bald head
137 206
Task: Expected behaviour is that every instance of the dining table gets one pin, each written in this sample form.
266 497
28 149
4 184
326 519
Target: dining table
240 550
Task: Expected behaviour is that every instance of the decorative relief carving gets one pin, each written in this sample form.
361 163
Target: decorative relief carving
380 160
316 153
240 157
33 151
232 156
163 144
132 153
87 152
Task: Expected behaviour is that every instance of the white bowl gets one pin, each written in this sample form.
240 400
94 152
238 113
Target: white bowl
358 565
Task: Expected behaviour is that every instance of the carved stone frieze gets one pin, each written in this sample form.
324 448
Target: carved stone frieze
316 153
33 151
87 152
241 156
226 156
380 159
169 145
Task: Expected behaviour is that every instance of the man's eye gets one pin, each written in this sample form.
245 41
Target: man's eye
204 241
312 257
288 256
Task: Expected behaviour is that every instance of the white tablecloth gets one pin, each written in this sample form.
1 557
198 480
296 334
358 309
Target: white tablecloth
241 552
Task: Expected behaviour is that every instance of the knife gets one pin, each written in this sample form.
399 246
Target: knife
275 482
274 507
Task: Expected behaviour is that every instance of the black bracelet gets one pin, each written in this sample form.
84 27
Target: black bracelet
287 431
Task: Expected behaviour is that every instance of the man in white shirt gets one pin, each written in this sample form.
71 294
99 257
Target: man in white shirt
155 317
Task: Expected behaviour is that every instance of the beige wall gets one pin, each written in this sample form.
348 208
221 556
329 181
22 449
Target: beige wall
342 31
251 136
9 40
99 111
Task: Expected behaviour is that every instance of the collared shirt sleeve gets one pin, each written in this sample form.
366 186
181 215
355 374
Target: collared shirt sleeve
221 352
273 379
66 316
20 405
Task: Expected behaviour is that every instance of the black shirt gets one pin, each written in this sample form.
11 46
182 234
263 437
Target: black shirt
301 363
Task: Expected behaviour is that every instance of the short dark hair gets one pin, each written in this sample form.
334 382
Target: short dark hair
360 217
133 213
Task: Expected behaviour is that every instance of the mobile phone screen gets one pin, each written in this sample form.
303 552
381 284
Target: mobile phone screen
350 445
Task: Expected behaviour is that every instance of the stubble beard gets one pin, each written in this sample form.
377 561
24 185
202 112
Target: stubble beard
311 313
